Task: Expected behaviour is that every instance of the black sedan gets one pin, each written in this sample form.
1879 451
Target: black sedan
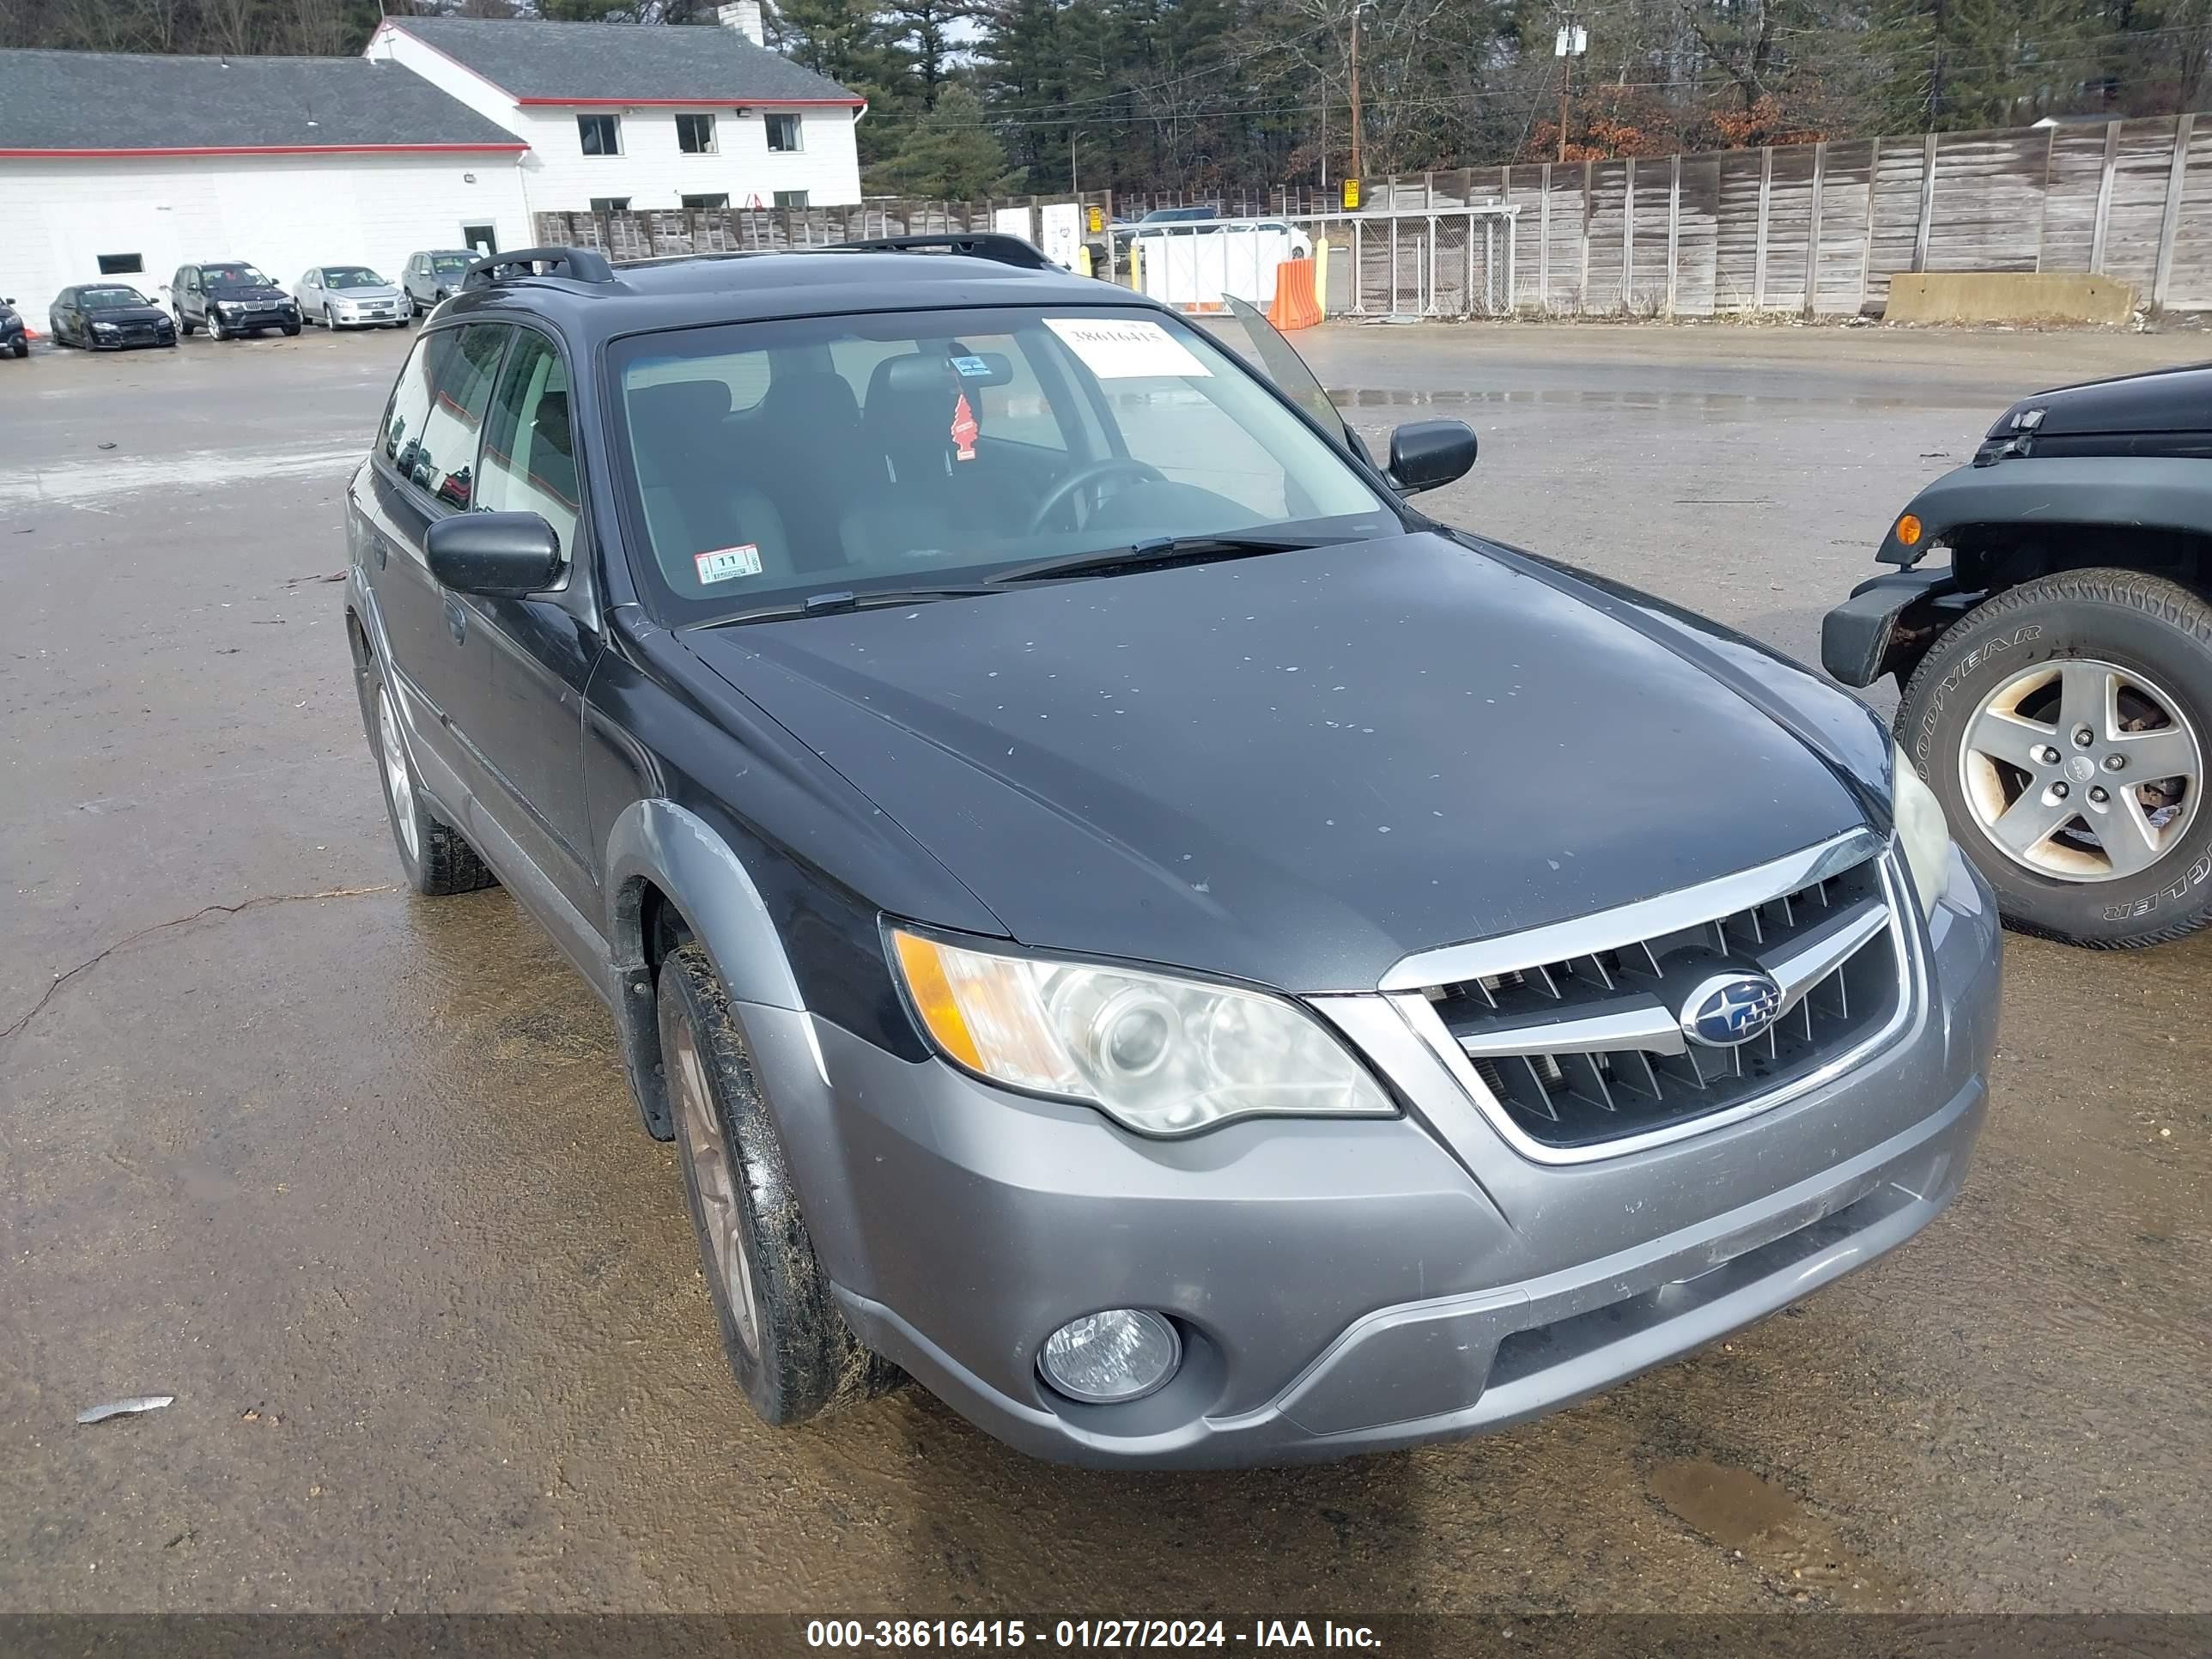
15 338
99 314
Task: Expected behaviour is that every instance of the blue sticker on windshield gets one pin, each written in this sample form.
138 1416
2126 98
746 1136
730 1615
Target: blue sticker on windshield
973 368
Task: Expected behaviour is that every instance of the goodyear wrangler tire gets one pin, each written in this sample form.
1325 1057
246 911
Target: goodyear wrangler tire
2066 725
786 1342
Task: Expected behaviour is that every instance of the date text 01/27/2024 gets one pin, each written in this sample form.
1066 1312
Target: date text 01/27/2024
1086 1633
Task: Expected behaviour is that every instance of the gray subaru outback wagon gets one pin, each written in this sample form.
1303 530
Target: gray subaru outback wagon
1125 919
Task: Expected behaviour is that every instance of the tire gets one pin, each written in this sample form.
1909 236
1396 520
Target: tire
291 331
2122 660
435 858
216 330
787 1343
21 349
329 322
184 328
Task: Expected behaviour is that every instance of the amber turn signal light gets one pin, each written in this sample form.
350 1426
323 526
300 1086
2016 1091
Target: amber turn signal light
1908 530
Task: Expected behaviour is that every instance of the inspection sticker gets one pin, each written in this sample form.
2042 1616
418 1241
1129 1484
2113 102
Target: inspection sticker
1126 349
723 563
972 368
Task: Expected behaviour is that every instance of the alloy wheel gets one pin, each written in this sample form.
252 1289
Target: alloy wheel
713 1167
399 781
2081 770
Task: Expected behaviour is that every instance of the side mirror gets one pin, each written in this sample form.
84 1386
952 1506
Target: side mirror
499 555
1426 453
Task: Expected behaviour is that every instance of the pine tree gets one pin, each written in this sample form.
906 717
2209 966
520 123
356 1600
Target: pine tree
948 154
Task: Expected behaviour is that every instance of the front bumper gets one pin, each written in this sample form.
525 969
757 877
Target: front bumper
1349 1286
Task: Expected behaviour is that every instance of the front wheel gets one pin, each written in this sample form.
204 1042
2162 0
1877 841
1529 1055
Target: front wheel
217 330
787 1342
291 331
2066 726
21 347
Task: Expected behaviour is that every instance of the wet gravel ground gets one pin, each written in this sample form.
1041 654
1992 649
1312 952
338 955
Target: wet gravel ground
353 1176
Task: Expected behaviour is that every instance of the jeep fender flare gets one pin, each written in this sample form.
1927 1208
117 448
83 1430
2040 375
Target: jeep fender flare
2133 492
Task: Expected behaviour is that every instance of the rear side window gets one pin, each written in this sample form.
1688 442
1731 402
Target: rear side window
437 410
529 451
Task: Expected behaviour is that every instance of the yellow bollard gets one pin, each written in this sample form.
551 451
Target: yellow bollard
1083 259
1320 275
1136 267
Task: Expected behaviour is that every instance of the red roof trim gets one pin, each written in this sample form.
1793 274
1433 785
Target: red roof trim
272 150
697 103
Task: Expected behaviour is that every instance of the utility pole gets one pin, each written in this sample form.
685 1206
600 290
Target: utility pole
1569 43
1355 171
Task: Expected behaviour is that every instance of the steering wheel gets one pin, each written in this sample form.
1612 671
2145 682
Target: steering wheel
1084 476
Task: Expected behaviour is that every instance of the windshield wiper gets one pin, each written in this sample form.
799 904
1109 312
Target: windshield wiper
1160 549
824 604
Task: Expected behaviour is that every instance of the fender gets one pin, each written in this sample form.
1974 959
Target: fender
2155 492
657 841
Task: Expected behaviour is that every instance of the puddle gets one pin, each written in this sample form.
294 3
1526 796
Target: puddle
1800 1553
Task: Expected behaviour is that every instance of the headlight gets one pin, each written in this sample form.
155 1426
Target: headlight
1164 1056
1922 831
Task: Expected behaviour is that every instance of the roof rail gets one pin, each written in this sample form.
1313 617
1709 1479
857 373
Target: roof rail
578 264
978 244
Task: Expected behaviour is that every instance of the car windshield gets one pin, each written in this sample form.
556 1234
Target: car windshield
450 265
108 299
774 462
232 276
351 277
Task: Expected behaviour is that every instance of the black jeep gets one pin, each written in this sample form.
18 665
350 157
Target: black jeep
2057 671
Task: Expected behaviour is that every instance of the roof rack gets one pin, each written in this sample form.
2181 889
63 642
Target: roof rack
578 264
977 244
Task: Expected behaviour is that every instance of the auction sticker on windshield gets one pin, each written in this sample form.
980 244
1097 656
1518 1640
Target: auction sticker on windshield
1126 349
725 562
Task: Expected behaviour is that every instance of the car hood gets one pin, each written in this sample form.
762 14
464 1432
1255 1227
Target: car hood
1294 768
247 296
2163 400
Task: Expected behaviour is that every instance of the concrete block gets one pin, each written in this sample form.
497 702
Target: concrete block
2015 296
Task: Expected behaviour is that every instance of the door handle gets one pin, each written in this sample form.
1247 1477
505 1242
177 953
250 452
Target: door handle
456 620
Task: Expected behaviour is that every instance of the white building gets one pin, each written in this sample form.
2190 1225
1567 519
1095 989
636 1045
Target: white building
127 165
448 132
617 115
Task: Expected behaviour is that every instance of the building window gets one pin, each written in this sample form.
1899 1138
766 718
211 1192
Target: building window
791 198
120 264
611 204
601 134
695 134
706 204
783 133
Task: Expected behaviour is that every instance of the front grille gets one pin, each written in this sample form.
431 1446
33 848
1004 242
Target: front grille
1589 1048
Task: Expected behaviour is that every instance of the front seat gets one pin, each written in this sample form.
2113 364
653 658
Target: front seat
921 506
695 484
810 427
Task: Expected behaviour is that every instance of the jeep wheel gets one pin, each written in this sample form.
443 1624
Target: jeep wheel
435 857
787 1342
2066 725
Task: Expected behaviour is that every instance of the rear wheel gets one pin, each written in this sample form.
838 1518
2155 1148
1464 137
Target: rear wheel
437 859
2067 725
788 1343
184 325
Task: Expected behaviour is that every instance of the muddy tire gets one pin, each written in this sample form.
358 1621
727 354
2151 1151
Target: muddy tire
2066 725
434 856
788 1343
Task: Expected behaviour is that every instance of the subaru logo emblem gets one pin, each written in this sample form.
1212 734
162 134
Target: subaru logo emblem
1730 1009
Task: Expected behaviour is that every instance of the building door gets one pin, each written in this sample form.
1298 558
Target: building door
480 238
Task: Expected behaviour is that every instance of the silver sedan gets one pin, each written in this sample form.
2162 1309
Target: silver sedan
350 296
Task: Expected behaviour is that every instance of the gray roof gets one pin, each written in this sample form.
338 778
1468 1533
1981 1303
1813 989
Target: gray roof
623 63
103 100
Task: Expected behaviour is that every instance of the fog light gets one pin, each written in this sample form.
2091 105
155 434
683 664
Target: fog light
1122 1353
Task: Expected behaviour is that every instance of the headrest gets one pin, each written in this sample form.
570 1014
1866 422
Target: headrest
680 405
815 398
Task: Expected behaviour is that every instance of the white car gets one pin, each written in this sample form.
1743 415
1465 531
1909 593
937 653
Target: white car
350 297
